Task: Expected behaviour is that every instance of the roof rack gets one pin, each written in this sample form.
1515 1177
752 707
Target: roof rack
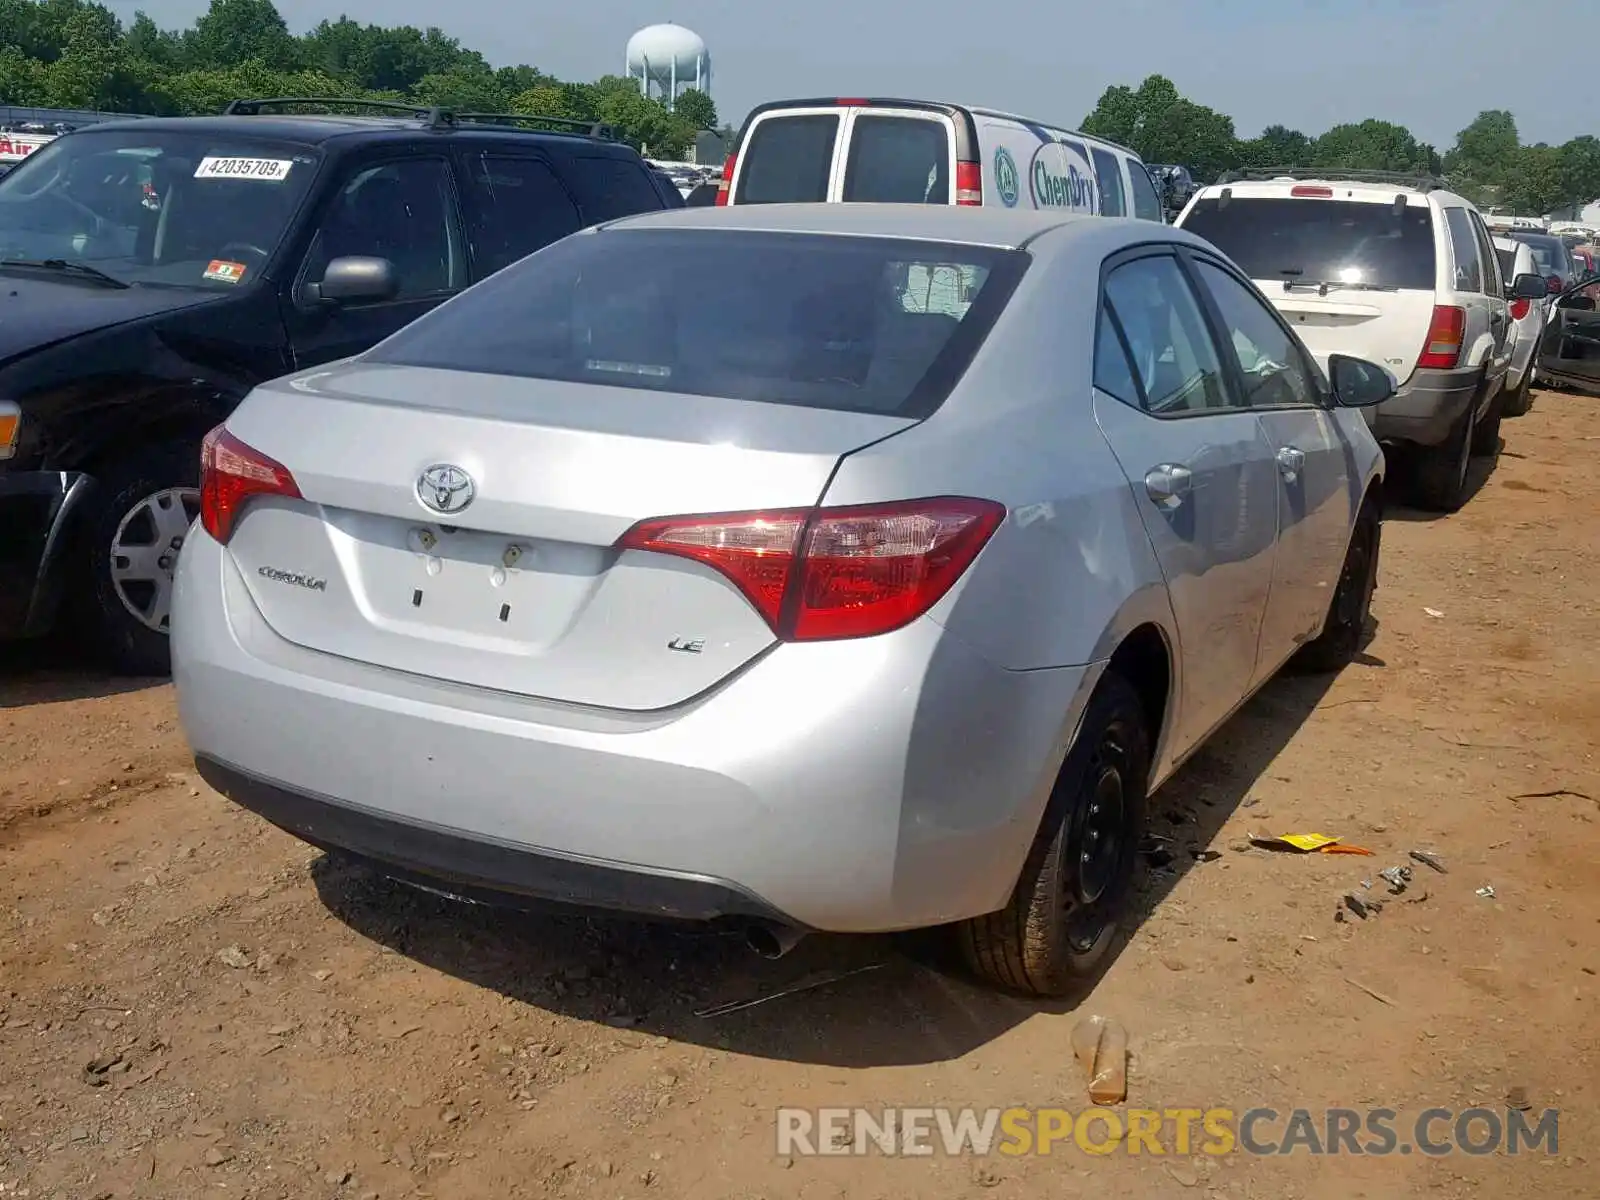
431 114
594 129
1421 180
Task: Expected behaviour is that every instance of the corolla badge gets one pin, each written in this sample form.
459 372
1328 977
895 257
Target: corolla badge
445 488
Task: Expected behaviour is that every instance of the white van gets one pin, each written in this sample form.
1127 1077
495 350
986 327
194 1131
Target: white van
918 152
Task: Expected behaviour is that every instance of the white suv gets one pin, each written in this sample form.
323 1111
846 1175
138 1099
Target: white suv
1392 269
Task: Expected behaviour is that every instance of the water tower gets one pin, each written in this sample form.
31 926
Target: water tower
667 59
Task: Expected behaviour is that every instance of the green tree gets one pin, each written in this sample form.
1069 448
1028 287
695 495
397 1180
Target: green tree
1580 171
1163 127
1485 153
697 108
464 88
1372 145
234 31
1278 146
1535 183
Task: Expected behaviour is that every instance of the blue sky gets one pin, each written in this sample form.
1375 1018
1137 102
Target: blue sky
1431 65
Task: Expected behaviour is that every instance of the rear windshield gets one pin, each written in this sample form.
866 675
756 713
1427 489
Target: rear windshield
787 160
1321 241
898 160
859 324
1549 254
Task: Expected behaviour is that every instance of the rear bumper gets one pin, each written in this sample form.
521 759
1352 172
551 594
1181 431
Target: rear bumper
1427 407
478 868
36 509
881 784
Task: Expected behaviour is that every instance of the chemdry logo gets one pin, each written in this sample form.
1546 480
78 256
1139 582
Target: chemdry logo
1005 177
1072 190
1016 1132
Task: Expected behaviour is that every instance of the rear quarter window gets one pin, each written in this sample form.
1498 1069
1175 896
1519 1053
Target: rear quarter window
608 188
1464 249
787 160
1314 241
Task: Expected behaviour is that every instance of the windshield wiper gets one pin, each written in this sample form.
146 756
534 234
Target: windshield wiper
1292 279
67 267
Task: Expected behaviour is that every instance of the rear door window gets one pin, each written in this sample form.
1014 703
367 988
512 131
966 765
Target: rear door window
788 160
608 188
1321 241
898 160
1508 262
1464 248
1146 204
518 205
1109 170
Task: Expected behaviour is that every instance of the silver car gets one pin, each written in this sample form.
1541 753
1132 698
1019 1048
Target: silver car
872 586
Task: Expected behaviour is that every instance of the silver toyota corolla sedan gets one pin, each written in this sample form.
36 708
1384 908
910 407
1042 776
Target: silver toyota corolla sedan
815 567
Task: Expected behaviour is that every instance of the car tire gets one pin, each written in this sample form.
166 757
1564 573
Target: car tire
127 546
1440 481
1062 920
1519 402
1346 624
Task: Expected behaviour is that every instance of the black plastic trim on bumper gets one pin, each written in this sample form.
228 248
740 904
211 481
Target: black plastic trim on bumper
487 872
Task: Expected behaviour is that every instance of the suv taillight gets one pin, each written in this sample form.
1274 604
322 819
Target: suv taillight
824 574
231 475
724 186
1446 332
969 184
1519 309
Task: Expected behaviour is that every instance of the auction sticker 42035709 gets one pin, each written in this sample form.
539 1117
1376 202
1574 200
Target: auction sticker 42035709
272 170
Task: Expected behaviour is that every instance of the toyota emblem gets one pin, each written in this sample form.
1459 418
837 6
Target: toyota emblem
445 488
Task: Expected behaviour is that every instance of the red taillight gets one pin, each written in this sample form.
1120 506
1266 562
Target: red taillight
231 474
1554 284
1308 192
969 183
1519 309
850 102
725 184
1446 332
829 573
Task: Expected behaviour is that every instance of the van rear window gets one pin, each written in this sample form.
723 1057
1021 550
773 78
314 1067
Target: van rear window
1321 241
898 160
788 160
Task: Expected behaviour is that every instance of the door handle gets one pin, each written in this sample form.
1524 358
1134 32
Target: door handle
1168 484
1291 459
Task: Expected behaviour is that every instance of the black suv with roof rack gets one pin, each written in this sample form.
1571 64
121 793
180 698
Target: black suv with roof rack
153 271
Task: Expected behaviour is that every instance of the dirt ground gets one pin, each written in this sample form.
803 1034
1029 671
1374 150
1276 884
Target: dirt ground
192 1003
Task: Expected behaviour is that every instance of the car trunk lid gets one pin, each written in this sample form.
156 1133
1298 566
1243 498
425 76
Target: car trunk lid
521 589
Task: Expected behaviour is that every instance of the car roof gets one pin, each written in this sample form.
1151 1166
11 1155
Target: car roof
312 129
1355 189
999 228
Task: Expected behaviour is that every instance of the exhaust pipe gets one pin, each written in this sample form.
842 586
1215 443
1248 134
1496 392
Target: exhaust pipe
771 940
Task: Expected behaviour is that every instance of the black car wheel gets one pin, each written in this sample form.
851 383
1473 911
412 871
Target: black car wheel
1351 607
1062 920
128 550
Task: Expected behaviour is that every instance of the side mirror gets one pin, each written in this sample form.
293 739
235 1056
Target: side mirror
1529 287
355 278
1358 383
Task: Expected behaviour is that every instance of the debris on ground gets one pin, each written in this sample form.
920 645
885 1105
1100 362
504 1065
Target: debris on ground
1552 794
1486 892
1517 1098
1373 992
1101 1047
1398 878
809 983
1429 859
1362 908
1307 843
